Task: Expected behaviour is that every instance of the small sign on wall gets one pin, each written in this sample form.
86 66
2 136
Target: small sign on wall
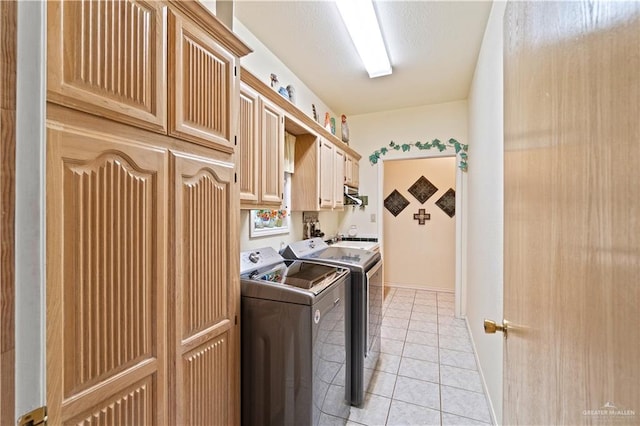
421 216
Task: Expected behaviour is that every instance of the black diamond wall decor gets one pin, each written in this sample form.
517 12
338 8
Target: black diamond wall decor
422 189
395 202
448 202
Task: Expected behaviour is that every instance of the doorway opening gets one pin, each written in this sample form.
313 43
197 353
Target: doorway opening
422 224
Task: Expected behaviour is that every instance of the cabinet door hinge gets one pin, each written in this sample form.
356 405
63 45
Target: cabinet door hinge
235 140
235 71
235 177
236 320
34 418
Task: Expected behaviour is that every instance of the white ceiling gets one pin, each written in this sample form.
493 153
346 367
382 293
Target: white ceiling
433 47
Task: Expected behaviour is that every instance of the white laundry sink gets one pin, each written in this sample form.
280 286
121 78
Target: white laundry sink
362 245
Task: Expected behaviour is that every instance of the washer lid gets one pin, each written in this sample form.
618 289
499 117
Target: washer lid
347 256
305 275
304 248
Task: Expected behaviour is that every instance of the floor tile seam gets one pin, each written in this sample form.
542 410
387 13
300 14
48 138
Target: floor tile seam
417 405
395 382
400 310
465 417
421 359
439 364
399 328
461 368
450 335
395 340
464 389
423 344
417 379
457 350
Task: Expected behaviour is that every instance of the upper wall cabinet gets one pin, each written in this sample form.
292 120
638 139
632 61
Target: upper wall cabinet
318 165
272 155
326 175
261 149
352 171
108 58
248 145
338 178
202 86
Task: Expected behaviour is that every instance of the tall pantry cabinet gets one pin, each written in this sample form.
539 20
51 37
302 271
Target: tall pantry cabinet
143 292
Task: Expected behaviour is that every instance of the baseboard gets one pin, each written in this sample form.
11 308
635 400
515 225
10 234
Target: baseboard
492 411
410 287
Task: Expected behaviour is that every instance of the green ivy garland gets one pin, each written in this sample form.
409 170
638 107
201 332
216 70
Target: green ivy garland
461 150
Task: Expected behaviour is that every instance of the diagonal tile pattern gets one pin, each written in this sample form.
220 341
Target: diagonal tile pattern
427 373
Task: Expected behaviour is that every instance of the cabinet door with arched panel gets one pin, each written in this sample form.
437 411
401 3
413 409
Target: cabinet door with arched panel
106 277
207 288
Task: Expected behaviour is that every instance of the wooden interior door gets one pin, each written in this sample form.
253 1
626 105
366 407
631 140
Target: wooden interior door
572 209
8 54
106 279
207 295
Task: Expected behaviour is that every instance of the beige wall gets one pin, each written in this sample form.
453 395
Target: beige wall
419 256
262 62
485 201
369 132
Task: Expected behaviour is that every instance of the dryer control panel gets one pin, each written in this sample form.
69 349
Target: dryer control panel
252 260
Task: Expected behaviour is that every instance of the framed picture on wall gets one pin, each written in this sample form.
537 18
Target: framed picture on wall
268 222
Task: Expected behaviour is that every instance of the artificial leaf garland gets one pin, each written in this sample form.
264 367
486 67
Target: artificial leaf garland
460 148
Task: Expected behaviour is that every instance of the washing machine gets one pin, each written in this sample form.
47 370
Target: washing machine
295 346
366 304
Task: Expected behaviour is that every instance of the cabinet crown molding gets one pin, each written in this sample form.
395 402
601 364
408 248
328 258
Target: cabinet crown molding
200 15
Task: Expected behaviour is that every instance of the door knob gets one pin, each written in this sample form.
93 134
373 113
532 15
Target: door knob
490 327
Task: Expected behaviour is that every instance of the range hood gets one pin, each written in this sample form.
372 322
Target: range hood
351 196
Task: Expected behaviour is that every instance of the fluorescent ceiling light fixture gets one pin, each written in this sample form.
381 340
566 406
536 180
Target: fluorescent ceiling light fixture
362 24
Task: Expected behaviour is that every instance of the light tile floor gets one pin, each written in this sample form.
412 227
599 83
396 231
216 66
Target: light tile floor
427 373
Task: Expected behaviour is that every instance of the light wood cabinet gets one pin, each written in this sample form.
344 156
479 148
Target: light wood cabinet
119 74
143 292
352 171
207 289
261 151
202 86
249 146
107 354
317 182
317 178
326 174
338 178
